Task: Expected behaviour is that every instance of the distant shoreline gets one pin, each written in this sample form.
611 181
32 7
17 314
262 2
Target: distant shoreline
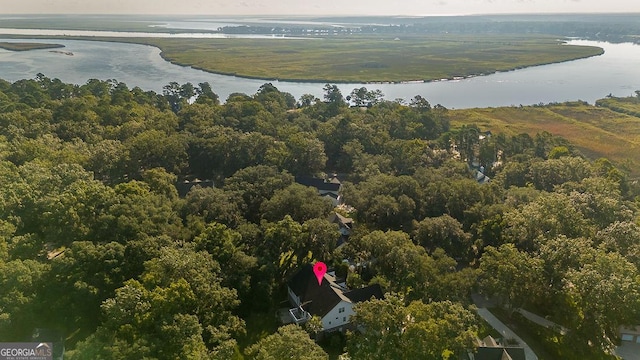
28 46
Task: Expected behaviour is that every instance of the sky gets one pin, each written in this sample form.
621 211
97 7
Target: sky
315 7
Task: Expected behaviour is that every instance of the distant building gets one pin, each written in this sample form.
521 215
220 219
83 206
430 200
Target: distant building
185 186
329 188
345 225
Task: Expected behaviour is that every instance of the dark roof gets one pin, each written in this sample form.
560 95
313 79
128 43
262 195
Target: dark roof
317 183
185 186
497 353
364 294
320 299
316 299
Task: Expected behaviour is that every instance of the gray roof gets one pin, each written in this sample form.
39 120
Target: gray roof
317 183
320 299
499 353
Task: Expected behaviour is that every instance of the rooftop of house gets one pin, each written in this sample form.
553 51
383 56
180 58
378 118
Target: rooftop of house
320 184
319 299
490 349
185 186
341 220
499 353
635 330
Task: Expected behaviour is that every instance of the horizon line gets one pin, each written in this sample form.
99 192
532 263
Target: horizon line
326 15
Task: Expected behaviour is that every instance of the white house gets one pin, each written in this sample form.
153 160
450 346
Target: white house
330 300
630 333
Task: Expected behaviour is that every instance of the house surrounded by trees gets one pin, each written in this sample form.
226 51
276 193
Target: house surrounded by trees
330 300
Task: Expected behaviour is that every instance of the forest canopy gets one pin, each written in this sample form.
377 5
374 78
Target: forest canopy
137 225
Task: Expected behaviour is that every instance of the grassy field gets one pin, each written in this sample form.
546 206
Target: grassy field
596 131
366 58
25 46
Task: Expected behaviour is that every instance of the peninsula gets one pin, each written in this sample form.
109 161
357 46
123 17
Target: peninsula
26 46
369 59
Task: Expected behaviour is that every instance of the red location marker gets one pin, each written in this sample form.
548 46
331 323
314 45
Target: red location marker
320 269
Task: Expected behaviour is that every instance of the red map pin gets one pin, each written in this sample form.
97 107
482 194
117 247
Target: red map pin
320 269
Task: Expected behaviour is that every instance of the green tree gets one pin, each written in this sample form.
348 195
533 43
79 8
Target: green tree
136 212
546 217
307 100
364 97
600 296
305 154
512 276
177 310
546 174
444 232
298 201
620 236
333 99
289 342
437 330
393 256
80 279
20 282
212 204
320 238
154 148
385 201
206 95
224 246
143 323
274 100
558 152
254 185
283 248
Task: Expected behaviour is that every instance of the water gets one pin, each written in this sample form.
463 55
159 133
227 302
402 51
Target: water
140 34
617 72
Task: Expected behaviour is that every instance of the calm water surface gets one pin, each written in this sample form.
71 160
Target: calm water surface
617 72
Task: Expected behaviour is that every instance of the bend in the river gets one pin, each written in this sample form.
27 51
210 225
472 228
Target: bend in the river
616 72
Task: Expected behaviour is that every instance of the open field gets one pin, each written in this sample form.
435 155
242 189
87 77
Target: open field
595 131
369 59
25 46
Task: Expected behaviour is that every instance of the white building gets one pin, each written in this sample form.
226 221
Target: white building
330 300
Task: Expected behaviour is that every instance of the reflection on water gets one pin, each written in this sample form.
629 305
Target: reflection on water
616 72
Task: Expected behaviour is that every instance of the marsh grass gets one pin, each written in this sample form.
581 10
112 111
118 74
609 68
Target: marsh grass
26 46
595 131
367 58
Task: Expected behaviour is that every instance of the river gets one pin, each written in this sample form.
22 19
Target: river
616 72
